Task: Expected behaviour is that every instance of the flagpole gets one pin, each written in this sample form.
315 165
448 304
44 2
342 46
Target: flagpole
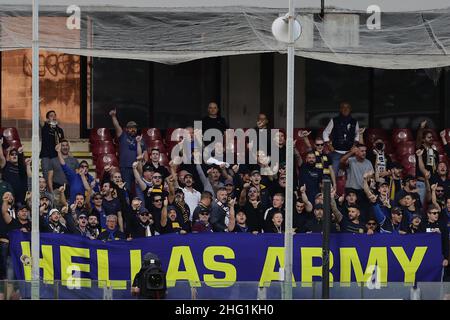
35 242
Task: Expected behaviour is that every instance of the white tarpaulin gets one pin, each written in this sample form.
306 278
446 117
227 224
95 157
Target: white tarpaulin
411 34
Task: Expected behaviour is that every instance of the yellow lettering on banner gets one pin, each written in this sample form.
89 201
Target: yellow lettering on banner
308 270
409 267
173 270
103 272
135 263
67 266
269 274
46 262
350 258
227 268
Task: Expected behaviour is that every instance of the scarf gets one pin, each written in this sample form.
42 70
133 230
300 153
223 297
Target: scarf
226 209
381 162
111 233
431 161
185 213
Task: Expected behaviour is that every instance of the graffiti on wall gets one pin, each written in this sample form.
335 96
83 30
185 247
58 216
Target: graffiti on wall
52 65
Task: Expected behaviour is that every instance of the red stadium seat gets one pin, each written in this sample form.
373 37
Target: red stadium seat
151 134
401 135
405 148
439 147
372 134
104 160
340 185
443 158
100 134
409 164
14 144
11 134
155 144
174 135
319 133
103 147
164 159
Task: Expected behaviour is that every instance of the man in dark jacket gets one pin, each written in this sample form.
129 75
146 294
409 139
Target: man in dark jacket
310 176
51 135
341 134
112 231
15 173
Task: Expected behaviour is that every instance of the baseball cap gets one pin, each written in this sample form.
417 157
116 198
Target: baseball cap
21 206
255 171
351 191
416 216
318 206
53 211
188 174
228 182
82 214
383 183
131 124
147 167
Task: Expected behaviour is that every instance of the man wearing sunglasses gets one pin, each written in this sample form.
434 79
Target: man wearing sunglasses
322 161
392 224
141 224
433 224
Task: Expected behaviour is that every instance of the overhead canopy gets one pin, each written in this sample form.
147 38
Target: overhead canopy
412 34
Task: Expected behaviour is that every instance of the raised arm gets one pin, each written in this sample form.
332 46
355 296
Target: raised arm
138 145
366 187
116 124
422 168
137 177
82 173
60 156
170 183
6 217
243 195
163 221
232 220
344 159
308 204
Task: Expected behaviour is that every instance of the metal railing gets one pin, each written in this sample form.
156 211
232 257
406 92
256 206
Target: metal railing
103 290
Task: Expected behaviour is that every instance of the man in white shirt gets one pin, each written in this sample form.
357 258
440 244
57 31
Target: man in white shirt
191 196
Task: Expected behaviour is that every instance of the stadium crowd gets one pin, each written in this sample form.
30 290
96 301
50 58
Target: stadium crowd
144 194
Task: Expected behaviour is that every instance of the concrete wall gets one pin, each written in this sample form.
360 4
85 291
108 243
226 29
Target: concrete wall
241 90
280 91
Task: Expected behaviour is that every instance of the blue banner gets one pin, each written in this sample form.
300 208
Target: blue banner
221 259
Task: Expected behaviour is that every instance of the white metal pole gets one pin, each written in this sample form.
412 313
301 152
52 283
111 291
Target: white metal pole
288 236
35 242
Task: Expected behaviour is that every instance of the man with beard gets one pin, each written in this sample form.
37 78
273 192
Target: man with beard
206 199
59 178
222 212
110 204
182 209
14 172
352 224
441 177
191 196
142 181
112 231
202 224
315 225
252 206
310 175
264 193
93 226
303 211
170 222
395 180
409 207
322 161
53 224
129 147
141 224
